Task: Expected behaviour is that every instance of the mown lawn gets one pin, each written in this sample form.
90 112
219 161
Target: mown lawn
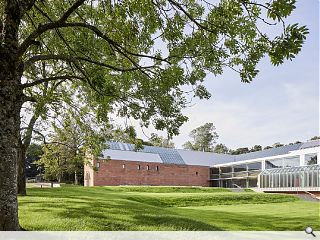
162 208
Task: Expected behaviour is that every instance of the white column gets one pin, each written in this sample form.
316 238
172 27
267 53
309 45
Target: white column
302 159
263 164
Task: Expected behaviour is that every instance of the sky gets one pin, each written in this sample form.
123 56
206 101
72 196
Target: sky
280 105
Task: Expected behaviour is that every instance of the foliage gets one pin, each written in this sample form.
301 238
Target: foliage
276 145
315 138
256 148
33 154
203 138
221 148
71 142
107 53
241 150
108 209
159 141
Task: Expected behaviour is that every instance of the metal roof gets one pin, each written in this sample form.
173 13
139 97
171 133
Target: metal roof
167 155
268 152
130 156
188 157
204 158
311 144
290 169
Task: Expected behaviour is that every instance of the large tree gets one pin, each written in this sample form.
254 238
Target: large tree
130 57
203 138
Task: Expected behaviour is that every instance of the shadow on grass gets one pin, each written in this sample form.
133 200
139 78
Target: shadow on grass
96 209
253 221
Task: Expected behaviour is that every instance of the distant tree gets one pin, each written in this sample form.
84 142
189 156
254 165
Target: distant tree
240 151
266 147
315 138
276 145
189 145
128 135
296 142
220 148
33 154
203 138
65 153
256 148
313 160
159 141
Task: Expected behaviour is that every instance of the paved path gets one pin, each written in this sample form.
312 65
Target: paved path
307 197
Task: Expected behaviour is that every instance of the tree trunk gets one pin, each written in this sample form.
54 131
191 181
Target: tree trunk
10 105
11 99
75 178
23 146
21 178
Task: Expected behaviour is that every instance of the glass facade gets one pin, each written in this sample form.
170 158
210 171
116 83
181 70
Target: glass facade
283 162
304 176
282 172
239 175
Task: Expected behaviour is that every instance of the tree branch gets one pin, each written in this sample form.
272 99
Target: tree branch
43 28
76 59
49 79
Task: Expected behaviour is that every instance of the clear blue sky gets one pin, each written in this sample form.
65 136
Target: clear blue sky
280 105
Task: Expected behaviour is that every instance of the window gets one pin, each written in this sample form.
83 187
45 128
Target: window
225 169
254 166
311 159
98 165
197 173
240 168
214 170
276 163
157 168
139 167
123 166
148 167
291 161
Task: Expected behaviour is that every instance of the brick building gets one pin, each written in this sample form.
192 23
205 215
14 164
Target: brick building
294 167
154 166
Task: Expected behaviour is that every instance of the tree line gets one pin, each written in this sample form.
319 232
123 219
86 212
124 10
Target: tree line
204 138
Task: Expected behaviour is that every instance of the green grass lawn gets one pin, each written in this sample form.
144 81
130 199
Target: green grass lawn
162 208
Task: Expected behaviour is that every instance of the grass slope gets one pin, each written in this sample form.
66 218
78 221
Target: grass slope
162 208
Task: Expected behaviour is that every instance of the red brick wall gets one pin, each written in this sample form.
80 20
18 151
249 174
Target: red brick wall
112 173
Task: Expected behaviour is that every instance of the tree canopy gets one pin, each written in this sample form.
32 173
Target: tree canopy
69 144
159 141
119 56
203 138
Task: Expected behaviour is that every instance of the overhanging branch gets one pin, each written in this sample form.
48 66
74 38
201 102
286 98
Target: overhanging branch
45 27
49 79
71 59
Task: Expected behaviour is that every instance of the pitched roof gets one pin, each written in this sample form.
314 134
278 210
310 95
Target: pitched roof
204 158
126 151
310 144
268 152
167 155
